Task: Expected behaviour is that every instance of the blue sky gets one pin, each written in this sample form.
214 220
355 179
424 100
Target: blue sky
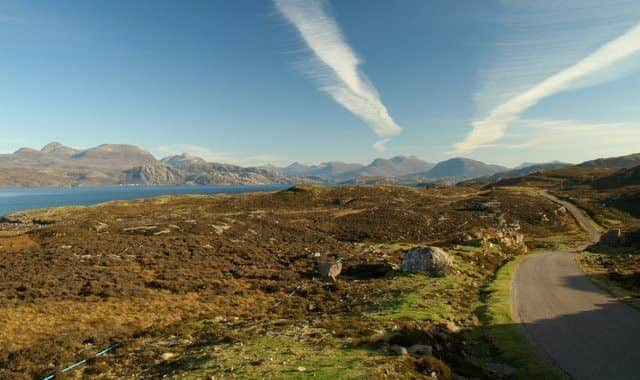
253 82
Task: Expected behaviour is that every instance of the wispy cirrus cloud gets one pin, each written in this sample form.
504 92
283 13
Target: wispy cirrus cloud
556 134
336 66
493 126
540 140
548 50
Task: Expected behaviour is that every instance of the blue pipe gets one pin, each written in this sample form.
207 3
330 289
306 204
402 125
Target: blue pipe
81 362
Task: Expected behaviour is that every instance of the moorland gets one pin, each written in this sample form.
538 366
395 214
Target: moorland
229 286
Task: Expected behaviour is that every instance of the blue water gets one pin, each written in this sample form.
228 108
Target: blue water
12 200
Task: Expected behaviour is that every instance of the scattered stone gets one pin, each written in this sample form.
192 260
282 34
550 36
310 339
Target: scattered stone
398 350
301 369
420 350
139 228
451 326
432 260
100 227
65 247
220 228
465 238
314 255
560 211
167 356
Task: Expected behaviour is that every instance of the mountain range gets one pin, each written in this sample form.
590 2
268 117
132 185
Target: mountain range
110 164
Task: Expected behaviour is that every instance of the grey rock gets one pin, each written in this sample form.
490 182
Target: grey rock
330 271
431 260
398 350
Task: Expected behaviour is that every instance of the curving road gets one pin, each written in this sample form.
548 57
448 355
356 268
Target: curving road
577 326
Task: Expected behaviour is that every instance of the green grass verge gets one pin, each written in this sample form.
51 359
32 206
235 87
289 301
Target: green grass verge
415 298
505 333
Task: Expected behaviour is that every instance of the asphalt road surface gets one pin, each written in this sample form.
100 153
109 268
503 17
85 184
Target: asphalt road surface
580 328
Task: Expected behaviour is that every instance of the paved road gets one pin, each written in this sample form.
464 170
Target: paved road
571 322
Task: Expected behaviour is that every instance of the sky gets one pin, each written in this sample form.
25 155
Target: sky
276 81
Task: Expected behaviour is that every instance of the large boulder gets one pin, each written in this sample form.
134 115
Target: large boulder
330 271
431 260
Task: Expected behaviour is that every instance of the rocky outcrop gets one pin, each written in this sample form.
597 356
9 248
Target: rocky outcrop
431 260
203 174
182 160
507 235
510 237
153 174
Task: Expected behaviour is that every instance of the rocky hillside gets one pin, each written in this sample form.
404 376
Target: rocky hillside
624 177
325 170
461 168
622 162
528 169
380 167
395 167
110 164
121 156
203 174
183 159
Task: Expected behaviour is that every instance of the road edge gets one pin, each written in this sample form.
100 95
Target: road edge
504 329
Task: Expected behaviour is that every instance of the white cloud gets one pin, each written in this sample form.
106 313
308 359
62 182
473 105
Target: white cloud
605 63
220 157
335 65
381 145
544 140
570 135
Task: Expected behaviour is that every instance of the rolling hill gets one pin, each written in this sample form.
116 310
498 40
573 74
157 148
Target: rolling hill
459 169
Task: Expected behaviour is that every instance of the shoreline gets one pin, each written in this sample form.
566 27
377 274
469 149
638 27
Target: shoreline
23 200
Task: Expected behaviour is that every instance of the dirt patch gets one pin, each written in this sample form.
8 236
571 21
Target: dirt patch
20 242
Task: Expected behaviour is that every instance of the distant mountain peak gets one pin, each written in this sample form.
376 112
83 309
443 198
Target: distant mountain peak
621 162
462 168
25 150
183 159
116 155
57 148
51 146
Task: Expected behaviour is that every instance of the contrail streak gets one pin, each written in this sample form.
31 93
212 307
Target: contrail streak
493 126
336 65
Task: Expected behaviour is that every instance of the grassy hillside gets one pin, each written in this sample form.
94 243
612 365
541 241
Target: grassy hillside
199 286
